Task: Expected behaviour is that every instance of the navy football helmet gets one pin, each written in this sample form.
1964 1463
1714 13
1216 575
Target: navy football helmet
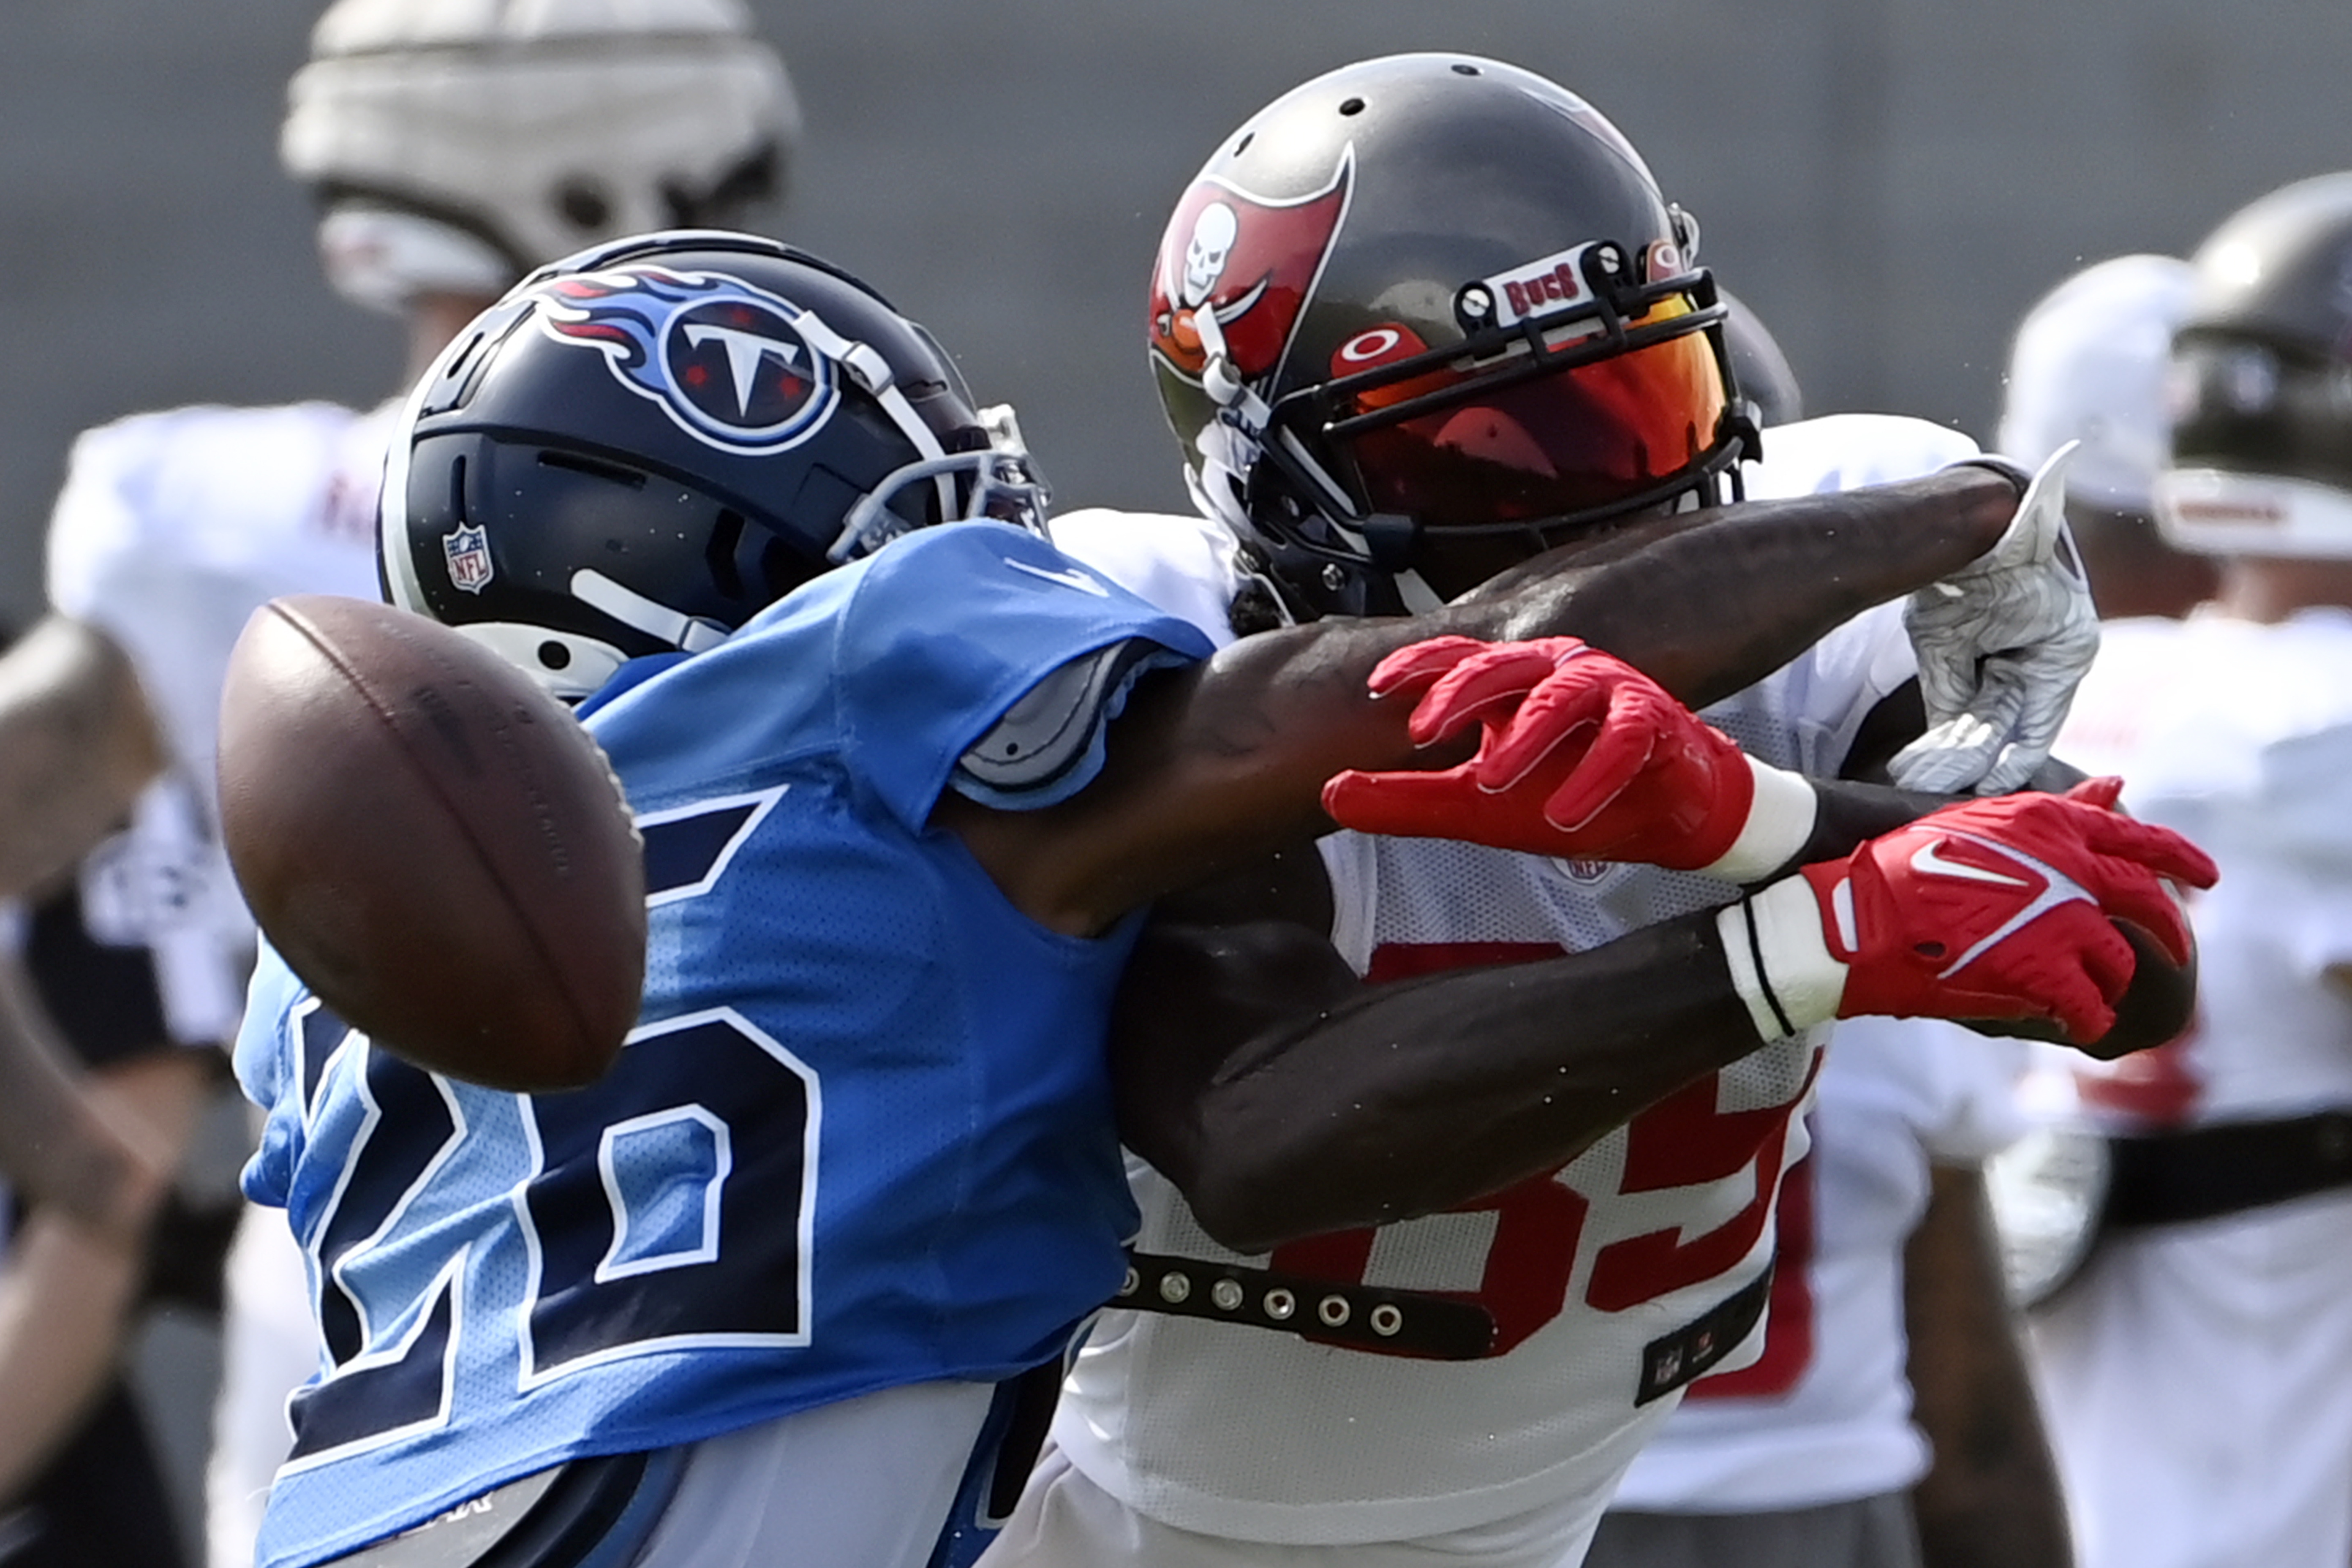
1432 298
640 448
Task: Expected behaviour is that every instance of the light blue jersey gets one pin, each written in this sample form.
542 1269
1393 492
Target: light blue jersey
862 1136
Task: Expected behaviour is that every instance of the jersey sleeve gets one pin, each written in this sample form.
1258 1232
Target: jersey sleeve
951 628
1847 451
269 1069
1959 1092
1183 564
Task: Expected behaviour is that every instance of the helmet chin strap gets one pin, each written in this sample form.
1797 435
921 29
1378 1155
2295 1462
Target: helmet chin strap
1419 598
631 608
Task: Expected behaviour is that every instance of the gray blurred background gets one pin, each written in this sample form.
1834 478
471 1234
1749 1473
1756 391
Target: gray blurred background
1889 182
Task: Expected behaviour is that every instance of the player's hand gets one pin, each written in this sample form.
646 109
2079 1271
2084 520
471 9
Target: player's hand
1987 909
1581 756
2001 646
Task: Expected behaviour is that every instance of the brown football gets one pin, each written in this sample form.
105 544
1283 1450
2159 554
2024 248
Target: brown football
433 844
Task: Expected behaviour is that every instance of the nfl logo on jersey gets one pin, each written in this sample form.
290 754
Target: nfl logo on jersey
469 551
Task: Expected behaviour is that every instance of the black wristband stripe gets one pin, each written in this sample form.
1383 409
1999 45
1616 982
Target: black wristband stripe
1763 978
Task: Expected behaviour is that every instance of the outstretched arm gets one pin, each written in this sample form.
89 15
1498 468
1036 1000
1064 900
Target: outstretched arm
1285 1098
1991 1495
1225 761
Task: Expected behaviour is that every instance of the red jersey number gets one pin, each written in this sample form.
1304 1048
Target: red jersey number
1683 1141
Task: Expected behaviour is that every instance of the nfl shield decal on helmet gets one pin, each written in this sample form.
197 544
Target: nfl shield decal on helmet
468 553
729 362
1248 259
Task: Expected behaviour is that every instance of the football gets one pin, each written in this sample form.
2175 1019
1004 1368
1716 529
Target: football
433 844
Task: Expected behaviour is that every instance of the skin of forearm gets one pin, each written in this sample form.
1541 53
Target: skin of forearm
67 1288
1991 1497
65 1296
59 1146
1227 762
1685 608
1405 1098
76 744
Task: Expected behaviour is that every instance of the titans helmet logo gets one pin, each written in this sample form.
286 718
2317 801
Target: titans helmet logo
1250 260
727 362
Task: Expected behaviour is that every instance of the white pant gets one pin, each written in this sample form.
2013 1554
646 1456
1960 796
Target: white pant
269 1345
865 1483
1064 1520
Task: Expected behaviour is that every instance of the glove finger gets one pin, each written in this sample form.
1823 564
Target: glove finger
1477 687
2041 511
2042 712
1403 805
2110 966
2087 974
1416 668
2102 792
2152 908
1946 684
1559 710
2077 1002
2014 764
1947 759
2158 850
1609 766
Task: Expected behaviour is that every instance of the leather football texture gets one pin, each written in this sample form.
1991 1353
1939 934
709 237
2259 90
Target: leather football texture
435 846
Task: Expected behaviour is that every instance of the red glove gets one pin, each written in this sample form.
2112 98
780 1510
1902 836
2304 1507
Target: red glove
1583 757
1991 909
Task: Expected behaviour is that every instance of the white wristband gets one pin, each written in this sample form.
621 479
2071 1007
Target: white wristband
1780 960
1779 819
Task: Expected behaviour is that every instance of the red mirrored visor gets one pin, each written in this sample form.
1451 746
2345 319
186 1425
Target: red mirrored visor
1584 437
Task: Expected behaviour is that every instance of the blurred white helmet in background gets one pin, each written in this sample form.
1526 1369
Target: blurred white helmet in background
454 145
2089 364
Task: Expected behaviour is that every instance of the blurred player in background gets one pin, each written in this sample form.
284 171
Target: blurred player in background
451 148
2089 364
1891 1400
2196 1369
1414 321
101 971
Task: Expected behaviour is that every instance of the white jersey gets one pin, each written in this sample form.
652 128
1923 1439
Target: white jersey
1605 1278
2239 735
173 528
1824 1415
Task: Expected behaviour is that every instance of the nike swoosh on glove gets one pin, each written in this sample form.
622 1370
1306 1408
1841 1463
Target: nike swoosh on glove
1581 756
1986 909
2002 645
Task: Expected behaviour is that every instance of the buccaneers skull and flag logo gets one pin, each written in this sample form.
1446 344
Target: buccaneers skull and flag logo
1250 260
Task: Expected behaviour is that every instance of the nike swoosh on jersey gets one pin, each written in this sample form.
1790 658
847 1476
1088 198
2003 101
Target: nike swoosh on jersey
1073 578
1929 862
